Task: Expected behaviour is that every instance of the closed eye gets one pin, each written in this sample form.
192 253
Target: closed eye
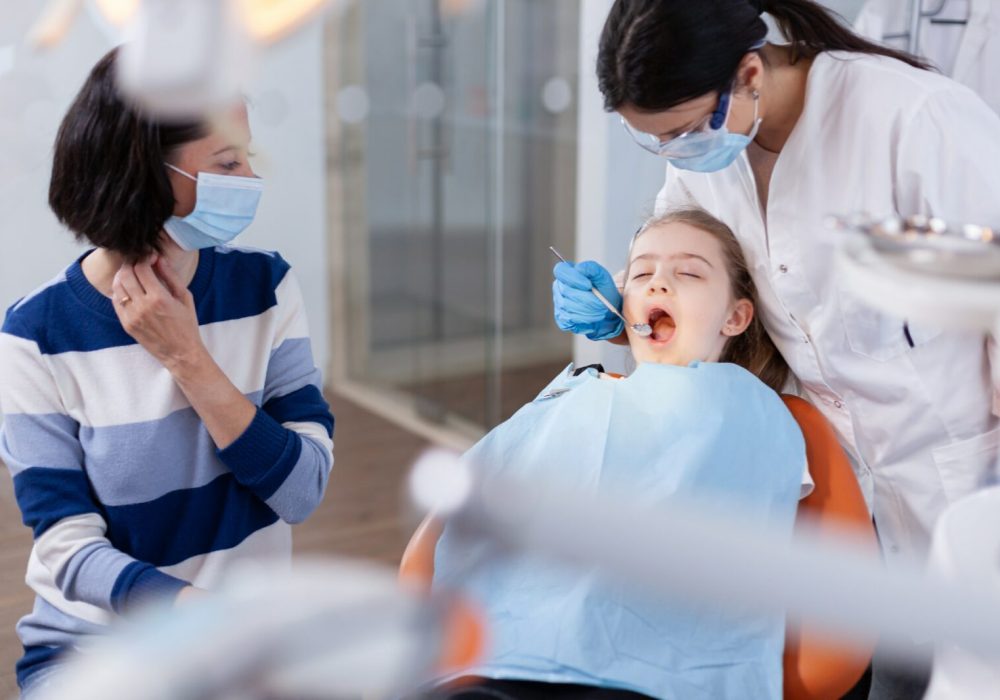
231 165
642 274
689 274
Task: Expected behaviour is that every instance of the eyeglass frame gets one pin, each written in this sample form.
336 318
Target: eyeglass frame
715 120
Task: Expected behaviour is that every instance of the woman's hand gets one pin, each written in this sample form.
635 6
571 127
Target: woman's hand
158 311
577 309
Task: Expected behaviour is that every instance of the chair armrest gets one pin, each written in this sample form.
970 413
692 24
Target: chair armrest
814 667
417 565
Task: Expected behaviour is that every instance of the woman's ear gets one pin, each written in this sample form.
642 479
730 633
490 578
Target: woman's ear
750 73
740 316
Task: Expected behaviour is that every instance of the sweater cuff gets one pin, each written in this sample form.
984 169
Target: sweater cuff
140 583
263 455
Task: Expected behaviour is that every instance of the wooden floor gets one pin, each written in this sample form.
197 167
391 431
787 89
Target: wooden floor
360 516
464 395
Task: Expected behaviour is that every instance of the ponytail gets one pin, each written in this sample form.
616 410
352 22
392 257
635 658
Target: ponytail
656 54
812 29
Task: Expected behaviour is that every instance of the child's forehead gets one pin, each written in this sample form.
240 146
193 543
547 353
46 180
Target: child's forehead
675 237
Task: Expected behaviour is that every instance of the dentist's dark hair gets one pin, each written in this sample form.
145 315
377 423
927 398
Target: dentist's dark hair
655 54
109 185
753 349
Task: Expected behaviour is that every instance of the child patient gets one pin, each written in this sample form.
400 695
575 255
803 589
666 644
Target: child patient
698 420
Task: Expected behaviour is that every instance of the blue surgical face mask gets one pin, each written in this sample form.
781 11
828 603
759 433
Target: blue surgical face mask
707 147
225 206
715 148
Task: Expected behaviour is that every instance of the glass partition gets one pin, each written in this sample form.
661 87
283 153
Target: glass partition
452 160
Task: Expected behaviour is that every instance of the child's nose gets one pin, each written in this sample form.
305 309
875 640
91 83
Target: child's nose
658 287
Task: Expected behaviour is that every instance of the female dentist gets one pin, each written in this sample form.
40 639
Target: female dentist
771 139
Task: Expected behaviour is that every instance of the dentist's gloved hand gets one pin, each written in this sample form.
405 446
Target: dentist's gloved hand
577 309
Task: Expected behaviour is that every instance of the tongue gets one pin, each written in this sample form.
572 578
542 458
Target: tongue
663 328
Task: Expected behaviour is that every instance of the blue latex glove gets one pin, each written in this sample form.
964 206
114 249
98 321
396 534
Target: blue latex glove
577 309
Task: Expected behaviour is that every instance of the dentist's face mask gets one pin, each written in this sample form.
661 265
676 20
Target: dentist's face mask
225 206
709 146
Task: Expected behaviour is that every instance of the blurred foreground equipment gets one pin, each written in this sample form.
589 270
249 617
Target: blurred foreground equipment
321 631
695 553
335 630
184 58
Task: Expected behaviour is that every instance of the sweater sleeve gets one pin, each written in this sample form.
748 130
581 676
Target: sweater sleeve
286 453
39 443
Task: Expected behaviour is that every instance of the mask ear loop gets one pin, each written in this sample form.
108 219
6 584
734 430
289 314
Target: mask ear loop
178 170
721 113
756 115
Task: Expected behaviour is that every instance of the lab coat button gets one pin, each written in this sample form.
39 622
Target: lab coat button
783 268
838 404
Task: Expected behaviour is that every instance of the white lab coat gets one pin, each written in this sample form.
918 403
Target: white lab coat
879 136
968 53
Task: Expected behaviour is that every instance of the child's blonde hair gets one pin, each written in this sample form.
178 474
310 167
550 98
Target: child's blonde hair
752 349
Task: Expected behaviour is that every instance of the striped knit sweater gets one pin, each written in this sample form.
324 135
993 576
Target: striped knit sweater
126 493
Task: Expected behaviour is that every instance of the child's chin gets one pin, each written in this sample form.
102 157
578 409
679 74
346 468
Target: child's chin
652 358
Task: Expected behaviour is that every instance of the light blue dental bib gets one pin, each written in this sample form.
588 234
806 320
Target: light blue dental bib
708 432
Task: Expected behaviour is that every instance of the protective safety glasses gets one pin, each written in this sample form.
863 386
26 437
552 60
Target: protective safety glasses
691 143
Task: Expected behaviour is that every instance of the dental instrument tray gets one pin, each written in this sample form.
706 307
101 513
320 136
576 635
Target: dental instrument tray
929 245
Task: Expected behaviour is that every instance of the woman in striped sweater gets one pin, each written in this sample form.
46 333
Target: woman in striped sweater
162 411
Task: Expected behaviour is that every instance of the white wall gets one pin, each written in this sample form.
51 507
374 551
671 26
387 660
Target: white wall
286 117
34 92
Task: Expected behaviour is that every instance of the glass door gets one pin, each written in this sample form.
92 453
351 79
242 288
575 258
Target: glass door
452 159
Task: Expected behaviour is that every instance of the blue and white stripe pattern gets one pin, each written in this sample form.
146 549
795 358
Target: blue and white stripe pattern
118 478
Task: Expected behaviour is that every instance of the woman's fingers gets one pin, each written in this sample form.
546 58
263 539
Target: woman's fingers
168 276
119 297
126 279
148 279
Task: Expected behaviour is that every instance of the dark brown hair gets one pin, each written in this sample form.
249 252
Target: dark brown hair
109 185
655 54
752 349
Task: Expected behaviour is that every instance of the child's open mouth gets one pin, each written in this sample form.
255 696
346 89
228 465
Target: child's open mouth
662 324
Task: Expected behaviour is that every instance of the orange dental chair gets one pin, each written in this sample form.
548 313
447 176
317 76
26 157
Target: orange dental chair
814 668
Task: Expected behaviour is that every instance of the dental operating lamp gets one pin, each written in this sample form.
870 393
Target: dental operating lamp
184 59
946 274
